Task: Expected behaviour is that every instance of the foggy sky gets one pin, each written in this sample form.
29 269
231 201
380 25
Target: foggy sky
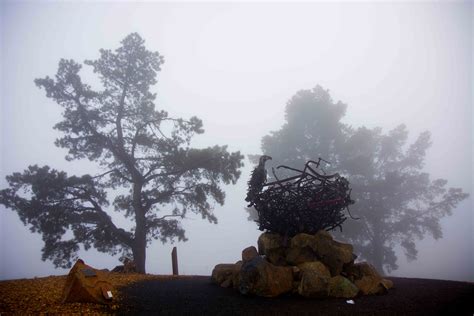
235 66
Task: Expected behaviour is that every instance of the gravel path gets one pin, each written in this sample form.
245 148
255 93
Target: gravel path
196 295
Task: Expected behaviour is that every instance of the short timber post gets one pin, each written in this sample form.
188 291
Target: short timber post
174 259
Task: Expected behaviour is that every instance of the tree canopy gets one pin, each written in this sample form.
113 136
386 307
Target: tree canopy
396 200
151 173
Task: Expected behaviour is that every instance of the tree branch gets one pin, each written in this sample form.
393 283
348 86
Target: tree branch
120 233
170 215
111 171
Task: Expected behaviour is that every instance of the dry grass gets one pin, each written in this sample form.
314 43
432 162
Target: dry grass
43 295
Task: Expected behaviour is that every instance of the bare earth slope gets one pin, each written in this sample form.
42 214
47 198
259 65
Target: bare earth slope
198 296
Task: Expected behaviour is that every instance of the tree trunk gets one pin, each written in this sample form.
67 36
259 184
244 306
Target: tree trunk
377 251
378 261
139 258
139 248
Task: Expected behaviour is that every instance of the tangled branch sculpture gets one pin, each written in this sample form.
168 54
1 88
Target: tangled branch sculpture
304 203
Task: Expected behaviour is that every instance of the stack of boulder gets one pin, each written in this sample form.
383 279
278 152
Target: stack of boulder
314 266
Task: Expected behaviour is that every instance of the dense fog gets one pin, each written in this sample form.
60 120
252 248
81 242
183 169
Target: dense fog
236 67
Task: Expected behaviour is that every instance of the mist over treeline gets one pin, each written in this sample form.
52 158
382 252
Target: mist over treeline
395 201
154 172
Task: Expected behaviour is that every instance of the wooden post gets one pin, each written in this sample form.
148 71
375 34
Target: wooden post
174 259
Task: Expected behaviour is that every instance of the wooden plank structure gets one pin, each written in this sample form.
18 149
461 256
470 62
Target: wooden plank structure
174 260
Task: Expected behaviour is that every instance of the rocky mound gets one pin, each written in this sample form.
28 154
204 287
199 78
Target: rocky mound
315 266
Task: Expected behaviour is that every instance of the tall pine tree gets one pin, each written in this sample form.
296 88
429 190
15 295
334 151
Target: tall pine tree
151 174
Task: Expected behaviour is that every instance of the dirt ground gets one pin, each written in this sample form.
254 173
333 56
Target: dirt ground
196 295
43 295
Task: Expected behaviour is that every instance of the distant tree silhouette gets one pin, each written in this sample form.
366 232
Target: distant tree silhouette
396 201
146 156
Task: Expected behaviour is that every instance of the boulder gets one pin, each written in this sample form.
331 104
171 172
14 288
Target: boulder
301 249
226 283
313 285
367 279
347 266
341 287
297 255
297 273
358 270
277 256
387 284
369 285
295 288
269 241
332 253
127 267
316 267
324 234
249 253
321 246
118 269
314 279
302 241
273 247
87 285
236 275
260 277
223 272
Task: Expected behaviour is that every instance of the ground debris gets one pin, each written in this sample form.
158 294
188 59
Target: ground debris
43 295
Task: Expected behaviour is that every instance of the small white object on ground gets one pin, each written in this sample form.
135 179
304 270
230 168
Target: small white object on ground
350 302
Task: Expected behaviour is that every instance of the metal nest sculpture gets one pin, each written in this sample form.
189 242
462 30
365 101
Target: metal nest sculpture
304 203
